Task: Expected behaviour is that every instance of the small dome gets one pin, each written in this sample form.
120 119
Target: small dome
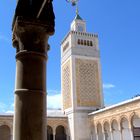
78 17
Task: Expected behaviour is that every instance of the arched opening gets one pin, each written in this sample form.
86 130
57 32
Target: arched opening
91 44
115 131
85 42
126 133
79 41
99 131
107 131
4 132
88 42
60 133
82 42
49 133
136 127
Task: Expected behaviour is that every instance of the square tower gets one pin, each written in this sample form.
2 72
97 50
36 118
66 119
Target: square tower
81 85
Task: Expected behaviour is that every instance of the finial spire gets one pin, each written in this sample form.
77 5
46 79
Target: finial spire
75 3
77 10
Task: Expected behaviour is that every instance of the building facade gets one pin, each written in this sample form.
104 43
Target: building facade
83 115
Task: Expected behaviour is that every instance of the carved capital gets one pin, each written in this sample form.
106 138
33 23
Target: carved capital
30 35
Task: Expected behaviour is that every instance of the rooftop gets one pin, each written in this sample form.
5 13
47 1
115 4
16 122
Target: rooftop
116 105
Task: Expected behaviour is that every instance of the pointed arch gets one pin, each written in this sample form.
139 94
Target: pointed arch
126 132
5 132
49 133
60 133
115 130
107 130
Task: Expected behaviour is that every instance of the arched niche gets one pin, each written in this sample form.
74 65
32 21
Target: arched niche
60 133
115 130
49 133
4 132
126 132
107 131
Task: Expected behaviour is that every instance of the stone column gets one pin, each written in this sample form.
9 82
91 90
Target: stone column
111 132
96 132
120 132
97 136
131 133
54 135
130 128
30 40
103 133
111 135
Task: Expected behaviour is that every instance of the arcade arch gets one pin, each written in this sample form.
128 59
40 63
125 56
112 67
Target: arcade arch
5 132
107 132
60 133
49 133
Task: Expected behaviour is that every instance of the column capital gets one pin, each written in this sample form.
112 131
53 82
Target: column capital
31 35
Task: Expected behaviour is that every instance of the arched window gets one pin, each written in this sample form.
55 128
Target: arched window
91 44
107 131
49 133
85 42
78 41
82 42
126 133
60 133
88 43
115 130
4 132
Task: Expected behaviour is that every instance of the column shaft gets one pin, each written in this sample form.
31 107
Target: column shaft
30 40
53 136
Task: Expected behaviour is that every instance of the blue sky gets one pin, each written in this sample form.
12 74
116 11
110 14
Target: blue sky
117 23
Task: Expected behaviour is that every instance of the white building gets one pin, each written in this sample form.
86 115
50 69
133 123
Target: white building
83 116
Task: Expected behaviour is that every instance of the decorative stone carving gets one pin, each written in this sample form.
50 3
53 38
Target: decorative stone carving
66 85
35 31
87 83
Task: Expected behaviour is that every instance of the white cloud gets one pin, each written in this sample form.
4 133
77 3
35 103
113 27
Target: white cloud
9 112
54 101
53 92
108 86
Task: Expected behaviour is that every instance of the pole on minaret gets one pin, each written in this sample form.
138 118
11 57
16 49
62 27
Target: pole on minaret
30 38
77 10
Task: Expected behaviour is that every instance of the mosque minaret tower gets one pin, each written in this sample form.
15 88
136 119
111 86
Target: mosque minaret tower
81 85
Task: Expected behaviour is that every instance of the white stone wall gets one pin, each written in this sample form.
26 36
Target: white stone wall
79 126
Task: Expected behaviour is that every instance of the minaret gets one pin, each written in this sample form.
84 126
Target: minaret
81 77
